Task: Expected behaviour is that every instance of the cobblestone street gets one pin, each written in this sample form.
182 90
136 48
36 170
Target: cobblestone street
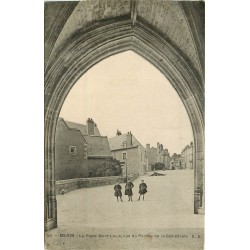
167 208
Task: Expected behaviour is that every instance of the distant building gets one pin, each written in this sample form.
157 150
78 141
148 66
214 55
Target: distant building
187 155
128 150
166 159
175 161
157 155
91 149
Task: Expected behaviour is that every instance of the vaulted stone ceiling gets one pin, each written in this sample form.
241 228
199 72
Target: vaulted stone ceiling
178 22
169 18
55 17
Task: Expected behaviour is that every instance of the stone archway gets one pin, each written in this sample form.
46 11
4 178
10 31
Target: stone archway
88 47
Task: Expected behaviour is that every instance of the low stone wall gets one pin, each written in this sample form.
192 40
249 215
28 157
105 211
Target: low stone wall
64 186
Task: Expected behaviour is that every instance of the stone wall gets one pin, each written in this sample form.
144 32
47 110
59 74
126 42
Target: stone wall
64 186
69 165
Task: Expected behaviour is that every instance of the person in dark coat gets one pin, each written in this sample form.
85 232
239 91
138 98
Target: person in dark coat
142 189
128 190
118 192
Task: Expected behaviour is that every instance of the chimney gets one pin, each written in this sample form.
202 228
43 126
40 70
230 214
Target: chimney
90 126
118 132
147 146
129 139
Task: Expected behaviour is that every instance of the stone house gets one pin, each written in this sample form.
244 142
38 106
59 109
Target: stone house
128 150
92 156
70 152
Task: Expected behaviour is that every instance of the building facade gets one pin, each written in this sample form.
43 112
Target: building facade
132 155
88 151
175 162
187 155
70 152
157 155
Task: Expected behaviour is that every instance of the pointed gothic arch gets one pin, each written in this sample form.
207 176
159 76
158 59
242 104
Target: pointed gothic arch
86 48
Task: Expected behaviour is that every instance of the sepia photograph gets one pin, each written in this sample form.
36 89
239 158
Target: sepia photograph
124 126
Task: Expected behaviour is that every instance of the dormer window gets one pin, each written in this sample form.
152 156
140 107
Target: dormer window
124 144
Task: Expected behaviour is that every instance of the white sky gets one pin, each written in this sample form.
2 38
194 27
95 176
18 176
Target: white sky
126 92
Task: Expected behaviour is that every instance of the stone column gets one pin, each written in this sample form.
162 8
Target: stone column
199 176
50 190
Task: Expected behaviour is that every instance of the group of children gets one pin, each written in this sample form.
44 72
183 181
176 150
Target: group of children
128 190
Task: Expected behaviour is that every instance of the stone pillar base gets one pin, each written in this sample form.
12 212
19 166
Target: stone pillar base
50 213
50 224
197 200
201 210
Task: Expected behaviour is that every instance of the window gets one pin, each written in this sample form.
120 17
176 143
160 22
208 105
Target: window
72 150
124 155
124 144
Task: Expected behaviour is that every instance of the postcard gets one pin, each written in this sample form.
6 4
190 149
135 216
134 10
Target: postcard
124 124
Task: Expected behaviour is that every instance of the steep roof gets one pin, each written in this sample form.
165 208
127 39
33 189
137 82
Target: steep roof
82 128
75 133
116 142
97 146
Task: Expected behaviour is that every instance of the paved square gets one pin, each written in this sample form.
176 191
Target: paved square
166 210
